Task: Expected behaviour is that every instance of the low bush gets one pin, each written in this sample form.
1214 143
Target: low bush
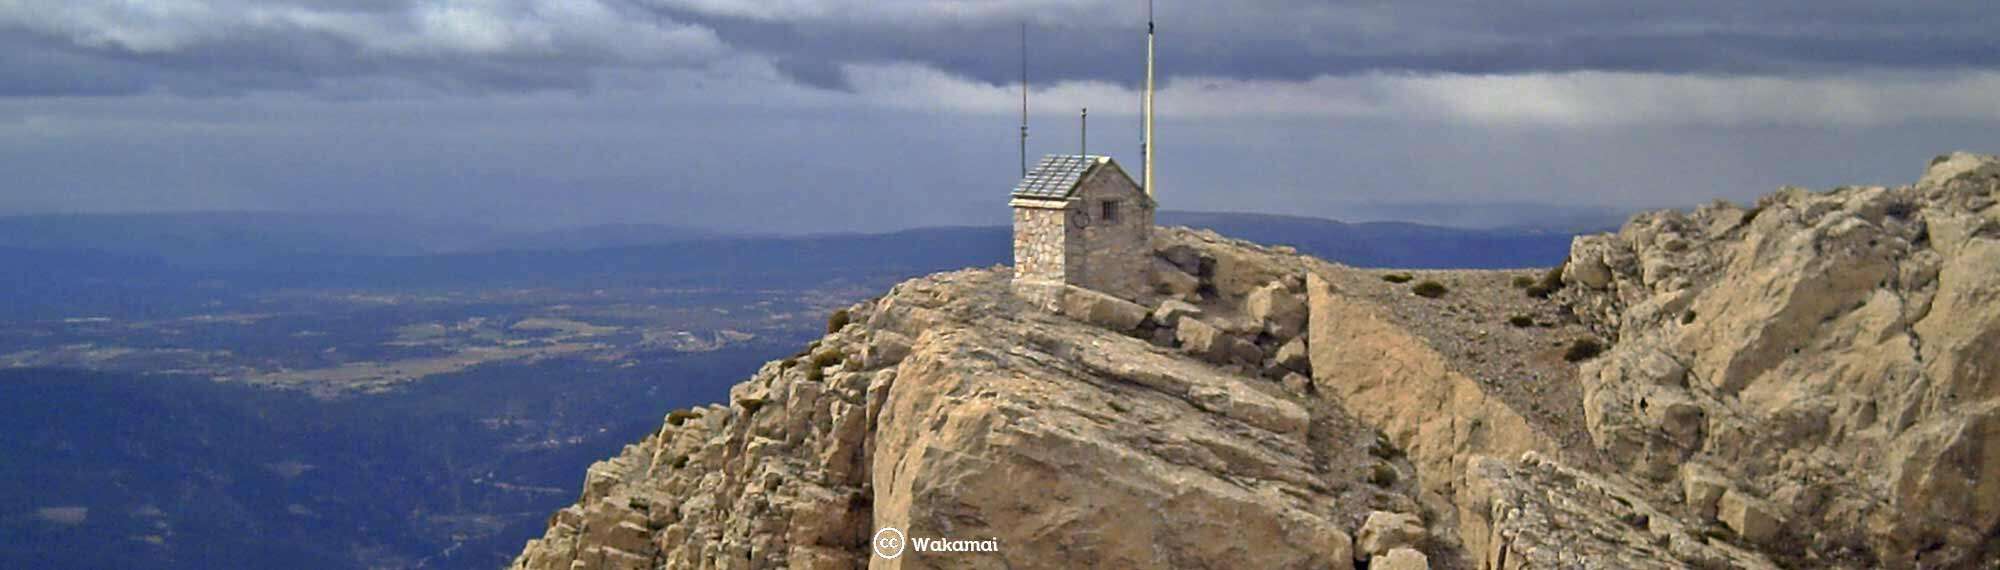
678 417
1383 475
1583 349
1430 289
1398 277
1524 281
1551 282
1521 321
837 321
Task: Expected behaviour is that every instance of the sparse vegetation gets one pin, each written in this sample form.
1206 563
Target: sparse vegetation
1398 278
825 358
1521 321
1687 318
678 417
1430 289
1524 281
1901 209
751 405
1383 474
1551 282
1752 214
1583 349
1382 448
836 321
679 462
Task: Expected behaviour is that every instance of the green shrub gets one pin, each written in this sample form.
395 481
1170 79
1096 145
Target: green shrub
751 405
1521 321
1552 281
1398 278
678 417
1583 349
825 358
1523 281
837 321
1751 214
1687 318
679 462
1429 289
1383 474
1383 448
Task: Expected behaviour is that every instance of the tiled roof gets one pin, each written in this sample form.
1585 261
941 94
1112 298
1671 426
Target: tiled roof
1056 176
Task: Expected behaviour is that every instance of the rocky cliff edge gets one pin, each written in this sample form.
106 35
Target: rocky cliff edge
1807 382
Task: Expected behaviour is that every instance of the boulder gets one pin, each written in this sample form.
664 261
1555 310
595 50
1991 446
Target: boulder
1751 518
1102 310
1297 384
1701 487
884 348
1203 340
1169 312
1401 559
1244 351
1586 264
1169 279
1294 357
1281 311
1238 271
1385 531
1183 257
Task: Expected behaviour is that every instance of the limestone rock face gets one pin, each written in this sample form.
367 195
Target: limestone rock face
1402 559
971 414
1831 355
1386 531
1808 382
1542 514
1102 310
1281 311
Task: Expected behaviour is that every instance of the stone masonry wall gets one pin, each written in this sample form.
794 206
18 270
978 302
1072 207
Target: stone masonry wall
1119 253
1042 253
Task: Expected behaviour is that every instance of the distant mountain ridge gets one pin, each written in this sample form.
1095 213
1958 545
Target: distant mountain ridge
210 239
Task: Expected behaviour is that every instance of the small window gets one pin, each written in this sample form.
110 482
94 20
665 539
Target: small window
1108 211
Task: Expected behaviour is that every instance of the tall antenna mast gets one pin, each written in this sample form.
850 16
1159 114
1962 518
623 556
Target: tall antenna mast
1083 134
1024 99
1149 99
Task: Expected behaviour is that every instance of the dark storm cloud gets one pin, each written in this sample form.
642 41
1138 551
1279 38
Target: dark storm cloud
96 47
105 47
1301 40
814 115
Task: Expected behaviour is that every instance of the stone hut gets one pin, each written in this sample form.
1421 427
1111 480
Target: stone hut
1080 220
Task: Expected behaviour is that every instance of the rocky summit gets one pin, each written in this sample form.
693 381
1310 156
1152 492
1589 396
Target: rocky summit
1809 382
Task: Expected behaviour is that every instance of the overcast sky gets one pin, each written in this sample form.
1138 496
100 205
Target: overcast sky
821 115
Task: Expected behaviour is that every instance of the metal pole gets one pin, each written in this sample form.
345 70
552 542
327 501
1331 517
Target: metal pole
1024 99
1083 134
1149 99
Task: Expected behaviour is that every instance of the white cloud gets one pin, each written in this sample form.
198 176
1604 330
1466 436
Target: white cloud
898 12
591 28
1583 99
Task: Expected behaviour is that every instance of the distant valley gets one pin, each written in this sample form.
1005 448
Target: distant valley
436 387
